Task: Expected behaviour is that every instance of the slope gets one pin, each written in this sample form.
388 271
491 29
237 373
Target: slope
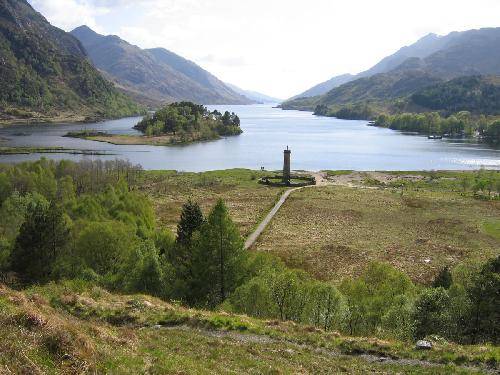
45 73
157 74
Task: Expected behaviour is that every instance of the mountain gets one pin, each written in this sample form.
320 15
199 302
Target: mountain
157 75
469 53
421 49
451 47
382 86
254 95
45 73
326 86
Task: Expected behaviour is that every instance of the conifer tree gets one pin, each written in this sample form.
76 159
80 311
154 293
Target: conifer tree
42 238
444 279
191 221
218 258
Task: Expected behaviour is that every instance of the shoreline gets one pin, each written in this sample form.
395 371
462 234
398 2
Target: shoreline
139 140
49 150
62 119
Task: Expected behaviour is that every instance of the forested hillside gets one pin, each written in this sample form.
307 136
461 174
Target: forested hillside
45 73
476 94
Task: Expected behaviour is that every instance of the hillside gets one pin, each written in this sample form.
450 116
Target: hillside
256 96
476 94
45 73
324 87
378 90
422 48
76 327
427 62
157 74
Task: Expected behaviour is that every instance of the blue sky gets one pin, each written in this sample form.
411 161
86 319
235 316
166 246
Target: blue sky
279 47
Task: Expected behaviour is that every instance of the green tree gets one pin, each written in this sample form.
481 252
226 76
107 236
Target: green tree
372 294
42 238
430 315
5 187
105 246
143 271
324 306
191 220
219 258
443 279
484 294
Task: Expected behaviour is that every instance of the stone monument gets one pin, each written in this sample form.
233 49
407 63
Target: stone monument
286 166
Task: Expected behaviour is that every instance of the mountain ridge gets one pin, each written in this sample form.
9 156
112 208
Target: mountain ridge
422 49
465 54
156 73
255 95
45 72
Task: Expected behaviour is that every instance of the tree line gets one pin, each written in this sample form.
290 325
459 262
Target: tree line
459 124
106 233
186 118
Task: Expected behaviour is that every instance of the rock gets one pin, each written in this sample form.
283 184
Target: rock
423 345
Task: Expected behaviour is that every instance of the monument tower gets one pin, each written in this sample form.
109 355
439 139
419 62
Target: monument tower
286 166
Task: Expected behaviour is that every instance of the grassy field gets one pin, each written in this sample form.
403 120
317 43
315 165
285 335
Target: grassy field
79 328
247 200
334 231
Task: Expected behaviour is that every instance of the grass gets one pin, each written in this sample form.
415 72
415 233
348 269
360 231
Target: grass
492 228
333 231
247 200
66 328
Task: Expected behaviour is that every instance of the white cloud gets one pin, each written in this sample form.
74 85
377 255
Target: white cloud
280 47
68 14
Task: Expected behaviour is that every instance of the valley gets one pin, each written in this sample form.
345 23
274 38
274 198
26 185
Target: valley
157 219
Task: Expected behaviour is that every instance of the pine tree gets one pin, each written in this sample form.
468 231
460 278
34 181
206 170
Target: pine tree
218 259
191 221
444 279
42 238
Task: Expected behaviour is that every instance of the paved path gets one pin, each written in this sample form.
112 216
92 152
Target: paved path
320 181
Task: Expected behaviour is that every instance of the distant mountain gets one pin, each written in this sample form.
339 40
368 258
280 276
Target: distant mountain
255 96
421 48
326 86
384 86
45 73
473 52
157 75
468 53
453 46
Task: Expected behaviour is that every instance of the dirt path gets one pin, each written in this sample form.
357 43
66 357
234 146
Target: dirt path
263 224
249 338
320 181
353 180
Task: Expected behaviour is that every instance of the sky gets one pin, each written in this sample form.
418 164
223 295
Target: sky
277 47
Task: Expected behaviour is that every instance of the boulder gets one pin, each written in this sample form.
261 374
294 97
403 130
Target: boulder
423 345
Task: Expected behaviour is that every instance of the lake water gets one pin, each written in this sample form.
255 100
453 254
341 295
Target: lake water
316 142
